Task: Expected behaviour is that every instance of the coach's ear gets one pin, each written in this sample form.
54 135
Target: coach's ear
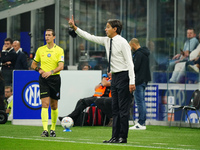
72 32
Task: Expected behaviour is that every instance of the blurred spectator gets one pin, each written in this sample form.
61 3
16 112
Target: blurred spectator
21 61
180 68
9 99
8 58
190 44
82 64
195 65
86 67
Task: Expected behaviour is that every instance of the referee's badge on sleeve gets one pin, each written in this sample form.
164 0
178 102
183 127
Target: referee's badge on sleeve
62 58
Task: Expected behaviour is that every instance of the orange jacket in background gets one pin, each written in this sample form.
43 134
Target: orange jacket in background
99 92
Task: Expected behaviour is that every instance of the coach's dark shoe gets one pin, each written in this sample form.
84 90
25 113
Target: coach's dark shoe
122 140
112 140
52 133
45 134
60 118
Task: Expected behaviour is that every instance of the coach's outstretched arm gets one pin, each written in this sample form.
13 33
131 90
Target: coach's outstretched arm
72 24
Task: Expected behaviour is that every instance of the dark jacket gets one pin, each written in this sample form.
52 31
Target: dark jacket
21 62
141 65
8 55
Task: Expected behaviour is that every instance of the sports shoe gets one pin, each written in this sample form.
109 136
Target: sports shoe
193 68
137 127
45 134
52 133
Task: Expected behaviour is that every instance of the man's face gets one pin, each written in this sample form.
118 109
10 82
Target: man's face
110 31
49 37
16 46
190 34
8 93
85 68
7 44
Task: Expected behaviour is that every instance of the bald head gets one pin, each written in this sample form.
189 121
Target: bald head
134 44
16 45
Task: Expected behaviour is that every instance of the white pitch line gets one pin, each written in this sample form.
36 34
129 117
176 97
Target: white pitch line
93 143
185 145
62 138
160 143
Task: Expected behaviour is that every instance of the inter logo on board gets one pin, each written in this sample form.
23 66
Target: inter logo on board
31 95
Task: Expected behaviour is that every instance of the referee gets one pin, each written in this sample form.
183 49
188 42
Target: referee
51 58
123 77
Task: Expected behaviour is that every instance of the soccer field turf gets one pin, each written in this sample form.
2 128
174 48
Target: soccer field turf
16 137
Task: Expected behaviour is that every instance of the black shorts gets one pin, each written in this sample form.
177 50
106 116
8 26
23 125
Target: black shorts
50 87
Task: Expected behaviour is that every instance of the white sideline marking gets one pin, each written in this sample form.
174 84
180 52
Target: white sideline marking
160 143
185 145
51 139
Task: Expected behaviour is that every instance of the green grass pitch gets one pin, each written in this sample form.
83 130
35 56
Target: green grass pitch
17 137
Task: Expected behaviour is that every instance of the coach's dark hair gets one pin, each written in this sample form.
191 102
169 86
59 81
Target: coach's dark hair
116 23
9 39
53 32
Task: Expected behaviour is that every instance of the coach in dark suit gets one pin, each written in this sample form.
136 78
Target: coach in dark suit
8 59
21 62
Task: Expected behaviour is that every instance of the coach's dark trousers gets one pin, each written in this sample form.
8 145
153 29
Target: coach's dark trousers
120 104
